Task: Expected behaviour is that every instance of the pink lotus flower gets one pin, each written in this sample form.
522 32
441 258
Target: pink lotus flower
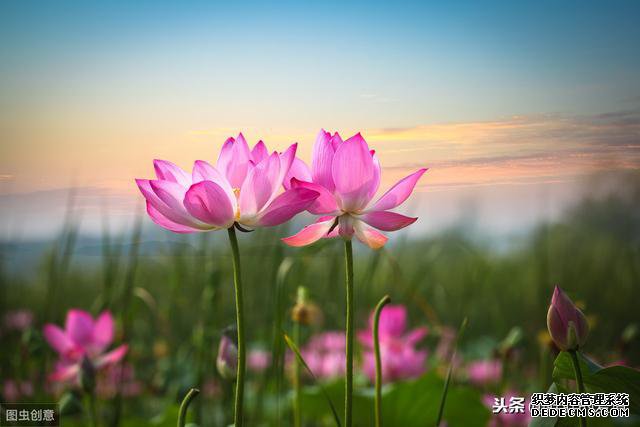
13 390
347 175
484 372
258 360
567 325
325 354
444 349
399 357
18 320
118 377
82 336
243 188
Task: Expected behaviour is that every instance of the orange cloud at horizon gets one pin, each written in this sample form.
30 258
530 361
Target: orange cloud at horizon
518 149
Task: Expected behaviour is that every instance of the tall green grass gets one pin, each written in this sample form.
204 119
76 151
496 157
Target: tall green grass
172 295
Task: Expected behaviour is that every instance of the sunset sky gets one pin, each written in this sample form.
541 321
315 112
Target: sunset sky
510 106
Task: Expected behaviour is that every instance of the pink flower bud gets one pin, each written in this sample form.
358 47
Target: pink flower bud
227 360
567 325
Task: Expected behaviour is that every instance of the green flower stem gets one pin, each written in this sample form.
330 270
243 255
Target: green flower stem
237 281
93 412
376 346
297 416
348 389
579 380
182 415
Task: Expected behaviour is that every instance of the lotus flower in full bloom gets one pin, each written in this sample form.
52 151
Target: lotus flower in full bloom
347 176
243 188
399 357
83 338
567 325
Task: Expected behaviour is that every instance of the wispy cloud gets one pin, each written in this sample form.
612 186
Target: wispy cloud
517 149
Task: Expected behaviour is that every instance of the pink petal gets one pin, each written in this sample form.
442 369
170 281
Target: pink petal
310 233
259 152
324 204
369 235
57 339
167 171
299 170
261 183
209 203
114 356
393 320
322 159
103 331
64 372
286 160
387 221
416 335
286 206
203 171
164 222
353 173
79 327
336 140
399 192
166 198
234 160
376 176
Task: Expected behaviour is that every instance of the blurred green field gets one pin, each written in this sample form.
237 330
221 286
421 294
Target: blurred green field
172 295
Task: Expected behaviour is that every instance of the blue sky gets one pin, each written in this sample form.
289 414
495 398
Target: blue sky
442 62
481 92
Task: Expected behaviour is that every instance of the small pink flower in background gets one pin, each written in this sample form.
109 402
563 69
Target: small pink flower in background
258 360
445 344
324 353
243 187
347 176
18 320
400 359
118 376
14 390
211 388
82 336
10 391
484 372
505 418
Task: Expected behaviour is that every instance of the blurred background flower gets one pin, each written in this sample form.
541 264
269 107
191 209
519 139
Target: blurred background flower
399 355
83 340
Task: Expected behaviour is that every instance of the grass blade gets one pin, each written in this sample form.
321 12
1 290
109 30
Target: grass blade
447 382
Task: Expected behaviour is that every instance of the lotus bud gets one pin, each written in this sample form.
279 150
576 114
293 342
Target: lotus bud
305 312
87 375
567 325
227 360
